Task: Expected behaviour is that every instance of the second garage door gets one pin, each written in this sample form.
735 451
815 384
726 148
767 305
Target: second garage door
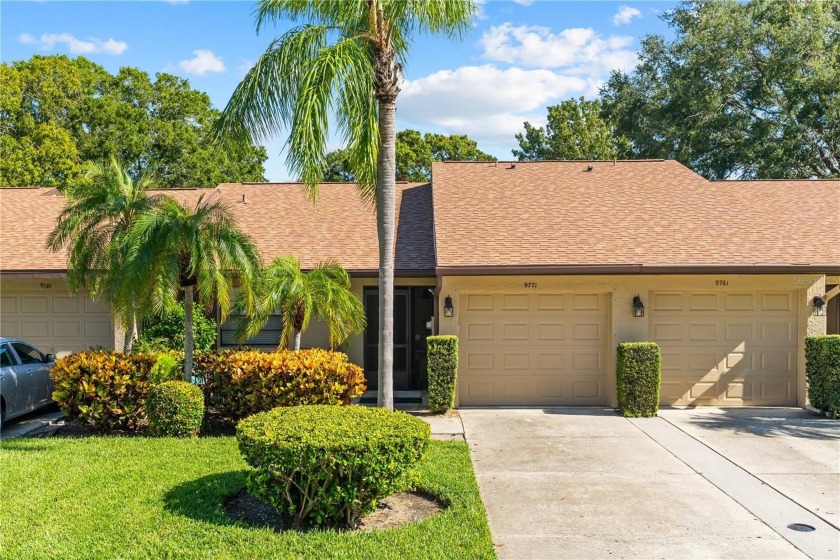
726 349
533 349
58 323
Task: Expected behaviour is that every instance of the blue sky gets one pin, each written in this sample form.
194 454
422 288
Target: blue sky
519 57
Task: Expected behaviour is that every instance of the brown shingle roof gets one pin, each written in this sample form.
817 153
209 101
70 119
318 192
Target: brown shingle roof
279 217
627 213
655 213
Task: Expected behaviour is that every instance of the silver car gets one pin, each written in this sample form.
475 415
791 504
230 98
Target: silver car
25 383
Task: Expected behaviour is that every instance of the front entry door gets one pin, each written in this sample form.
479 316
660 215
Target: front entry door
402 314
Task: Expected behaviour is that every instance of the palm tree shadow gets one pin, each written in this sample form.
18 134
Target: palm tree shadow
767 422
203 499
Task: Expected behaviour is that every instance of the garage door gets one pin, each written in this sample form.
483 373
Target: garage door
533 349
726 349
56 323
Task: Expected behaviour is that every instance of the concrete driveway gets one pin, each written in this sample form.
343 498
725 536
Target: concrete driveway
587 483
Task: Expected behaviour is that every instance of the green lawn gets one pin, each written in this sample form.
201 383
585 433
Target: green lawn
161 498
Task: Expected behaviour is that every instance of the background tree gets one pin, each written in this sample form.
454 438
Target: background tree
58 113
173 248
746 90
323 292
575 130
415 153
92 227
347 57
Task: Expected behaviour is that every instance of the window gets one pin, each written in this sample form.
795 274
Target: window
27 354
6 358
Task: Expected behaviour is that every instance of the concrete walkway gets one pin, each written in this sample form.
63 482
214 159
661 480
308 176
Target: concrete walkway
586 483
29 423
447 428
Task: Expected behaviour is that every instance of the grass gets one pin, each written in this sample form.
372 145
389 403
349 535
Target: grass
102 497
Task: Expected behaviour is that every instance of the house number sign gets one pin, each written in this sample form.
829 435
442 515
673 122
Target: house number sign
530 285
45 285
721 283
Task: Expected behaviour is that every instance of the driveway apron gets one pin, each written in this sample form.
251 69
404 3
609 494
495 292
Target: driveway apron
587 483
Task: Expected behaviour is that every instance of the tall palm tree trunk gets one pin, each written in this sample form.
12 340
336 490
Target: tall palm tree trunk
385 219
188 333
296 339
130 334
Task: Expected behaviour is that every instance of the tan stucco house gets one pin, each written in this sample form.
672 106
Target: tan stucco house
541 269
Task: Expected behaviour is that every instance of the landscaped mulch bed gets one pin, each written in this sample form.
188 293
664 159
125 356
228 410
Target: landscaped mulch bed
394 511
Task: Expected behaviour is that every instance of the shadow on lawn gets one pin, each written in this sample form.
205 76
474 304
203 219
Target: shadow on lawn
203 499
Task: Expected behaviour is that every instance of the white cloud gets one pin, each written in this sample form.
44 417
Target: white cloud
524 2
625 15
579 50
203 62
486 102
92 45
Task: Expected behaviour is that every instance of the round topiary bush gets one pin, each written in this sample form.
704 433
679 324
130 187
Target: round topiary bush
175 408
324 465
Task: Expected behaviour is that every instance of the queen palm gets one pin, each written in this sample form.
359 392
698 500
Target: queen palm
92 226
173 247
323 292
346 60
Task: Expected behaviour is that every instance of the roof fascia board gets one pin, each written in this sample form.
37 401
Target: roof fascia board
636 269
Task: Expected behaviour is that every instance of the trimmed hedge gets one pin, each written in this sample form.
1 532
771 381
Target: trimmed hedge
638 375
329 465
102 388
175 409
822 370
442 371
240 383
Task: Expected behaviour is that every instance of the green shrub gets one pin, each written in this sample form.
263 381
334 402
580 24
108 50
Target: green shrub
175 409
239 383
104 389
167 368
638 375
443 370
166 331
822 370
329 465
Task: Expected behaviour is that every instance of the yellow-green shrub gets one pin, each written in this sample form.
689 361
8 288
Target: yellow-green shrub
329 465
638 376
169 367
104 389
239 383
822 370
442 371
175 409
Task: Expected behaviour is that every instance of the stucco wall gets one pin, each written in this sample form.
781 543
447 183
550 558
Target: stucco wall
623 326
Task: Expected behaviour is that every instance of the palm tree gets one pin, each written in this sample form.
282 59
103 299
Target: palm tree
174 248
324 292
346 59
92 226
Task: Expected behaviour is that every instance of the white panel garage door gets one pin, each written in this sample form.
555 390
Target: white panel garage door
56 323
533 349
726 349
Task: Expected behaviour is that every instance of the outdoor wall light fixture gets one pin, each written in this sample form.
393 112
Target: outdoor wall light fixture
448 308
638 307
820 309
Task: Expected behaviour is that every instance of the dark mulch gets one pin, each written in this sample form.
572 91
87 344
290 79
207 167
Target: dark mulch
214 425
394 511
